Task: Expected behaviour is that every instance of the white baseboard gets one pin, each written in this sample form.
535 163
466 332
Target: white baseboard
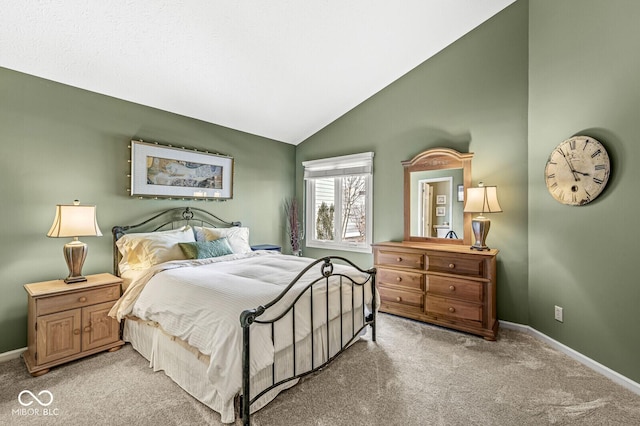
11 354
594 365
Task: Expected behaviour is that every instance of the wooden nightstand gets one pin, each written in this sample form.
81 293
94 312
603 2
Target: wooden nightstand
70 321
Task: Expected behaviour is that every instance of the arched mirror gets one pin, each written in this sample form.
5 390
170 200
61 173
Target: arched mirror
435 182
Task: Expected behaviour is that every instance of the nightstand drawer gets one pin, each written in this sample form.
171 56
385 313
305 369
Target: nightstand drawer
453 287
394 277
57 303
441 306
401 259
471 266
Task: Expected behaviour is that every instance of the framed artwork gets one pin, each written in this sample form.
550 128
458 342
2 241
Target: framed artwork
168 172
460 192
440 211
441 199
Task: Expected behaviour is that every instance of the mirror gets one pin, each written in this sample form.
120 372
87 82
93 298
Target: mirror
434 186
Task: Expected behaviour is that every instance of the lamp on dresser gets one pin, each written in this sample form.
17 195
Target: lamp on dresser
73 221
483 199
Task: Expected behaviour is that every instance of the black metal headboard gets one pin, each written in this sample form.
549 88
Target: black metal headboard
165 220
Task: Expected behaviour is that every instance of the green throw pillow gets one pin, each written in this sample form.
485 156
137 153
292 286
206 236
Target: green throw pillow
206 249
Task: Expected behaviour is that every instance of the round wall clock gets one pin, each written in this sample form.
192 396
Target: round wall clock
577 170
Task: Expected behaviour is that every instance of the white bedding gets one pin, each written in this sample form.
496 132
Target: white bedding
200 301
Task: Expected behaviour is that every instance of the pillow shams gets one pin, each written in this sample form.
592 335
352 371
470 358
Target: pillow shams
237 236
143 250
206 249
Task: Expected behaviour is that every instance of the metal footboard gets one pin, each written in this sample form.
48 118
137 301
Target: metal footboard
250 316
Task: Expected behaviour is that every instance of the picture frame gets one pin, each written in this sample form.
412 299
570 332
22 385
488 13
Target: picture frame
441 199
461 192
160 171
440 211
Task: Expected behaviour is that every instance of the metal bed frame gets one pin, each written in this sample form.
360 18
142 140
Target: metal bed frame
176 217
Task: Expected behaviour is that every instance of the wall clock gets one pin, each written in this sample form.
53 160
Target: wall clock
577 170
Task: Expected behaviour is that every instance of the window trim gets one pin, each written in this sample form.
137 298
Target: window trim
338 167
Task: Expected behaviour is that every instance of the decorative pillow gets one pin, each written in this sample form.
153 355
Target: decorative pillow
206 249
237 236
143 250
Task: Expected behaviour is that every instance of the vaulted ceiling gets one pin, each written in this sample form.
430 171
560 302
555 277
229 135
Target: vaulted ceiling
282 69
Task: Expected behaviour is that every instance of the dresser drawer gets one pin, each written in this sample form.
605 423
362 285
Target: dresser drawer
400 259
455 287
461 265
399 297
442 306
395 277
47 305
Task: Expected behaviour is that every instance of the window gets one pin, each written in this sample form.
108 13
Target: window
339 202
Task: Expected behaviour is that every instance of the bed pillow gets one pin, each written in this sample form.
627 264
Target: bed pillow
143 250
237 236
206 249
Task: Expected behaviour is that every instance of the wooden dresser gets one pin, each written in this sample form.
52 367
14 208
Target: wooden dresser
447 285
69 321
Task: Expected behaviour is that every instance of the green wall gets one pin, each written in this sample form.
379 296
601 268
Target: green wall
59 143
472 97
584 77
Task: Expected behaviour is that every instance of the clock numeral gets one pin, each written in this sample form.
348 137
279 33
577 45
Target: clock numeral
600 167
553 162
596 153
555 184
574 198
598 181
572 144
551 176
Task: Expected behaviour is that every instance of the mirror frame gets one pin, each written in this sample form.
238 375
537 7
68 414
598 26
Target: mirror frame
437 159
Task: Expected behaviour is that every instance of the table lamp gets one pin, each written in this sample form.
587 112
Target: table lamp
75 221
483 199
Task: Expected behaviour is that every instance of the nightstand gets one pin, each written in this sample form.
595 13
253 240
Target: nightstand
70 321
272 247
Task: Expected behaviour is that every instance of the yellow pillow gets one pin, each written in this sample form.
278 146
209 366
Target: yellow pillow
143 250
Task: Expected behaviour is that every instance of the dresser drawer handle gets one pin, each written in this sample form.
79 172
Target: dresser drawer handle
87 329
399 279
399 259
452 265
82 299
398 299
76 331
452 288
452 309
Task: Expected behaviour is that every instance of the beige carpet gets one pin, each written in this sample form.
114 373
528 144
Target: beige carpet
415 374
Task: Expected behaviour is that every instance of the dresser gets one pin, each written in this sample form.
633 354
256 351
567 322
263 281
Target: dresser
70 321
448 285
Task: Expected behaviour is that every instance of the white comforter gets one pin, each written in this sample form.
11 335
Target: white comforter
200 301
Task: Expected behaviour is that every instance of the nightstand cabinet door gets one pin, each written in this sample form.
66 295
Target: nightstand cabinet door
58 336
98 328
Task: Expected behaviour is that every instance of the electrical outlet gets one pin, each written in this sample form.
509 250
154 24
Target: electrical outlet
558 313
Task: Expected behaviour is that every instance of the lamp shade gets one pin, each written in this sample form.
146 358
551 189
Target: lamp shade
483 199
74 221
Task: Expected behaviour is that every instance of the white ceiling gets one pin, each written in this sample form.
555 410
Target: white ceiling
282 69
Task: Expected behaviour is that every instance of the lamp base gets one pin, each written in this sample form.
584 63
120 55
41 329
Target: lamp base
75 253
480 226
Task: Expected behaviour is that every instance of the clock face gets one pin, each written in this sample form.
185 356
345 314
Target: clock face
577 170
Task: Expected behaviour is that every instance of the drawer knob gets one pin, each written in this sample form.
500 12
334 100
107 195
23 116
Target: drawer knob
452 287
398 299
87 329
399 259
452 309
76 331
399 279
452 265
82 299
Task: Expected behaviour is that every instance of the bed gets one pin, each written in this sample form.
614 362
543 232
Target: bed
233 326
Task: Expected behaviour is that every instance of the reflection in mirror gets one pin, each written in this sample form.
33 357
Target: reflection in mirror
434 191
434 207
